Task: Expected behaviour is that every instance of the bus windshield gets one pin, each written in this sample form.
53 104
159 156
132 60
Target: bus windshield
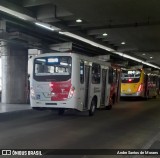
52 68
131 76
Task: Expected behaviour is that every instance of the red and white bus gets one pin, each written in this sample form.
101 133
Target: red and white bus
70 81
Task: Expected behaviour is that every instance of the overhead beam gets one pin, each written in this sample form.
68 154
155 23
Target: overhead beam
31 3
22 36
96 32
15 10
50 20
140 50
51 11
73 23
98 29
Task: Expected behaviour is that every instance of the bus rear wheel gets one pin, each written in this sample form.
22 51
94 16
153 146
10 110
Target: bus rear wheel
92 107
61 111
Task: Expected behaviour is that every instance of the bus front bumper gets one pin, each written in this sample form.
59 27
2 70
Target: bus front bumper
68 104
137 94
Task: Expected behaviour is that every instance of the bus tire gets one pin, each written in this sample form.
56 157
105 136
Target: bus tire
92 107
61 111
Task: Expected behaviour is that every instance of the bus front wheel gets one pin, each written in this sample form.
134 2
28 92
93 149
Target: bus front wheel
92 107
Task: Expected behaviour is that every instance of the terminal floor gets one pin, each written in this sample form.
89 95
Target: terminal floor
13 107
131 124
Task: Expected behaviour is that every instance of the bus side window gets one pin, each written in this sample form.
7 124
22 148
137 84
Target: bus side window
81 72
110 75
96 73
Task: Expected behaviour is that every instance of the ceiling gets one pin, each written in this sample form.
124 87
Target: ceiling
134 22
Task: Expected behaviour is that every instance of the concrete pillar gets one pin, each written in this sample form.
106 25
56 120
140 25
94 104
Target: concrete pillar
14 73
2 26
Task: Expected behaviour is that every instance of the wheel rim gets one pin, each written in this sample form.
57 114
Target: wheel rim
93 107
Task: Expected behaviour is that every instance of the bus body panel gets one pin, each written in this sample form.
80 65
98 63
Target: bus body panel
131 89
56 94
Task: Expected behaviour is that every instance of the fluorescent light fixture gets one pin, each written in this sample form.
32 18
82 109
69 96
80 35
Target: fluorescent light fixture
16 14
61 32
79 20
106 48
133 58
123 43
46 26
105 34
86 40
118 53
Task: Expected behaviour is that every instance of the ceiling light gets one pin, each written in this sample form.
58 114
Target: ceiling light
105 34
79 20
143 54
151 57
123 43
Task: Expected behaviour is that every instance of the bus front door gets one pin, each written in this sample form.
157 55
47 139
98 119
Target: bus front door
103 88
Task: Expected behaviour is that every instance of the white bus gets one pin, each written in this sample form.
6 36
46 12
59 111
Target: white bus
70 81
